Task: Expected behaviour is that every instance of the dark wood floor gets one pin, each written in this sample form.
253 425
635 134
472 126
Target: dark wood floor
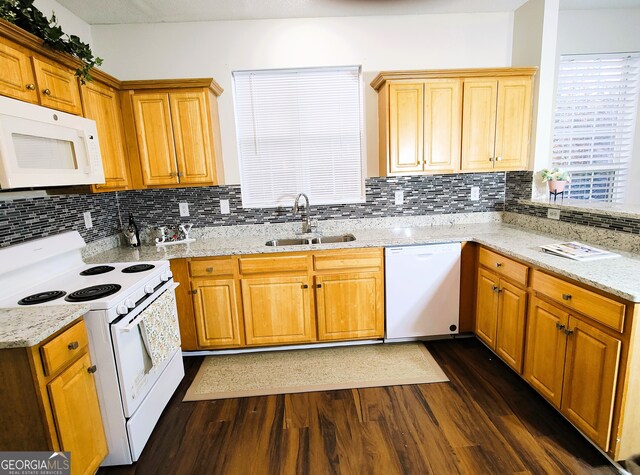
485 421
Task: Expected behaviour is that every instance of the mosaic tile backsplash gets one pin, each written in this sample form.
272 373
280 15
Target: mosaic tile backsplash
518 186
24 219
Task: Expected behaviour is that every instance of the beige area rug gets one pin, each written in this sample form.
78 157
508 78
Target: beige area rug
321 369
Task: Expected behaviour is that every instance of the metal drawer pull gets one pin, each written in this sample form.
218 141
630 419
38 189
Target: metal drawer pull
566 296
92 369
30 87
499 264
73 345
559 326
209 269
567 331
47 92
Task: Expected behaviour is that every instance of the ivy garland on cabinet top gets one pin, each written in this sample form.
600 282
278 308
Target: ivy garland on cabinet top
23 14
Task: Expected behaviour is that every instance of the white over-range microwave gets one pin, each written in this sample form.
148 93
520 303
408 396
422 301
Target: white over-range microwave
42 147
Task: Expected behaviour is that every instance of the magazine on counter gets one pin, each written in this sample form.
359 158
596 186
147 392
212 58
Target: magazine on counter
577 251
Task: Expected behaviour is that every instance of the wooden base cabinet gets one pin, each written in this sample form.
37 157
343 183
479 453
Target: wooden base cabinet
49 400
575 366
500 317
216 305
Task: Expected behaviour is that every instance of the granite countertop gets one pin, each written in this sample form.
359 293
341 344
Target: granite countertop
27 326
619 276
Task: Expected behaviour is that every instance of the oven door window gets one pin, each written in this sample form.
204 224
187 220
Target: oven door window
133 349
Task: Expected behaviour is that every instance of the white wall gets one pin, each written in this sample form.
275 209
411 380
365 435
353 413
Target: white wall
535 28
605 31
71 24
215 49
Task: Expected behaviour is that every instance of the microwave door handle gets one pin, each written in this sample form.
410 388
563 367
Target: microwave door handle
87 161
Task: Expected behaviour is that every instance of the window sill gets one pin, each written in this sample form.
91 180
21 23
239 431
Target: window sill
608 209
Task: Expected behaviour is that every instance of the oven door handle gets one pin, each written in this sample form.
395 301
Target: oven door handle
136 321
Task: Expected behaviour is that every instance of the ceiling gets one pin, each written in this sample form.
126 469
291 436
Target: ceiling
98 12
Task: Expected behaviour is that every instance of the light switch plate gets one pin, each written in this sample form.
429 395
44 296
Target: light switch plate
88 222
553 213
475 193
224 207
399 198
184 209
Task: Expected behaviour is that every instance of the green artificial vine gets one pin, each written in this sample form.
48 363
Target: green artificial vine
23 14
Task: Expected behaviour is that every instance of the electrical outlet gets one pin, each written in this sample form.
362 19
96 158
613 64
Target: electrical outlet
553 213
88 222
399 198
475 193
224 207
184 209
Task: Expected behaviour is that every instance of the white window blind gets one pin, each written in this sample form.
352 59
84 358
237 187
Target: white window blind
596 104
299 131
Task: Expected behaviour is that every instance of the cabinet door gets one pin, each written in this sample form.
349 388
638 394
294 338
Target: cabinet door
16 74
512 310
216 313
591 371
443 116
487 307
277 310
545 349
77 415
101 103
192 137
479 124
350 306
152 117
58 87
406 122
513 124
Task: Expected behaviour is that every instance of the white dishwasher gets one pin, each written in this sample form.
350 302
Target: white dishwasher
422 291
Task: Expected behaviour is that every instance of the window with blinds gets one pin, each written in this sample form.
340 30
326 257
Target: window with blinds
300 131
594 123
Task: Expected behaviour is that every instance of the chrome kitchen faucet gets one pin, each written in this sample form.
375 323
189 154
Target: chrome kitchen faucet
306 219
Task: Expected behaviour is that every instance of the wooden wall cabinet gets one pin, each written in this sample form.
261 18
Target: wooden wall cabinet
101 103
26 76
173 132
282 298
444 121
496 123
50 401
501 309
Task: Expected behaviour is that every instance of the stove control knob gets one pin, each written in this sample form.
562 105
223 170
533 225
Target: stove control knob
166 276
130 303
122 309
148 289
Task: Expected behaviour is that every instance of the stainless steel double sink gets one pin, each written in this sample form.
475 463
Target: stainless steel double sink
315 240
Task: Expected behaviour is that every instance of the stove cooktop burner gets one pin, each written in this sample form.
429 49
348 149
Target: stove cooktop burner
41 297
97 270
137 268
92 293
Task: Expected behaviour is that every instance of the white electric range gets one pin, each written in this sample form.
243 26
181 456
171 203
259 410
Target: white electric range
133 389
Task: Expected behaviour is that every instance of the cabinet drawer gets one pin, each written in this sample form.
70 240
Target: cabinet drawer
595 306
503 265
351 259
64 348
269 264
209 267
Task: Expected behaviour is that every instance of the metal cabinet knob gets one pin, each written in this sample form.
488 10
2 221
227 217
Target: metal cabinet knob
567 331
566 296
305 286
92 369
559 326
73 345
491 159
47 92
30 87
498 159
499 264
209 269
319 286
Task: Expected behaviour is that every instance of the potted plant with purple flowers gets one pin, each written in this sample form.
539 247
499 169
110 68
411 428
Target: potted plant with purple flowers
556 179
